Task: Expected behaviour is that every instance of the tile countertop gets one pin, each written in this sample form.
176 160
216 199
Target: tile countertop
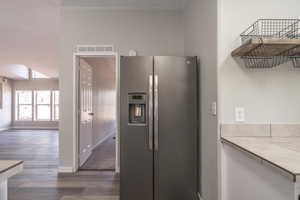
6 165
281 152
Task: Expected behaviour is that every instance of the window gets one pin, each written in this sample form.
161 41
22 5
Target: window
36 75
39 105
42 105
24 105
55 107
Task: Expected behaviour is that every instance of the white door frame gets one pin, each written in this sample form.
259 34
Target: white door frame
76 57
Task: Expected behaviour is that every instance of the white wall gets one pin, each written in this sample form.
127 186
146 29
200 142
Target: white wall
201 40
267 95
6 111
249 179
30 38
35 84
104 97
148 32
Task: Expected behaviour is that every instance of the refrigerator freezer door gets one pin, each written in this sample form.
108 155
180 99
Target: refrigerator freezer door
176 156
136 172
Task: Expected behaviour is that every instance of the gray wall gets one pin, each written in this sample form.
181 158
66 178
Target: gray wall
6 111
201 40
104 97
148 32
35 84
267 95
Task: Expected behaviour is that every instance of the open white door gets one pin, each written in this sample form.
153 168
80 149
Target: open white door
83 116
86 111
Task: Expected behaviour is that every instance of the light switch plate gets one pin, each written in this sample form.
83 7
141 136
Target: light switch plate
239 114
214 108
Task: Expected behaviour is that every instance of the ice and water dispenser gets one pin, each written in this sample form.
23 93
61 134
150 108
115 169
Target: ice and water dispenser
137 103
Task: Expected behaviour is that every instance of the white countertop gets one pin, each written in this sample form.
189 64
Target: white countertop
8 168
6 165
282 152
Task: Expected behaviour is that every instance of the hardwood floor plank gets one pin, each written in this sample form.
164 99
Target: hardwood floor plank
40 179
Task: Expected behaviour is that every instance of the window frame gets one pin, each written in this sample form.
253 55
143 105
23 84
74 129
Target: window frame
34 106
18 105
54 104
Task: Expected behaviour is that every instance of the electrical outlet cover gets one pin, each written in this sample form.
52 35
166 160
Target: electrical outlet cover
239 114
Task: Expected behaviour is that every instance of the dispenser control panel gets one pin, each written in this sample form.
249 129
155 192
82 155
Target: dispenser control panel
137 104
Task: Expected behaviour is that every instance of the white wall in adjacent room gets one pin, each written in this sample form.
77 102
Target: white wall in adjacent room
104 98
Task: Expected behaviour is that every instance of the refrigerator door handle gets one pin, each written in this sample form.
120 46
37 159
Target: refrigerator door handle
156 115
150 115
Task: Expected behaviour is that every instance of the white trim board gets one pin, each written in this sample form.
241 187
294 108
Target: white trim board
5 128
65 170
76 57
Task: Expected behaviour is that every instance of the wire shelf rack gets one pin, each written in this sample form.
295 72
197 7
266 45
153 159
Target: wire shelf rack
273 43
273 28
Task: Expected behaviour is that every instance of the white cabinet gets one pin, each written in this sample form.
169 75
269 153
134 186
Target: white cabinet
8 168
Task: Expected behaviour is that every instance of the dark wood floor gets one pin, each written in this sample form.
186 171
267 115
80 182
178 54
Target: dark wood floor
103 157
40 179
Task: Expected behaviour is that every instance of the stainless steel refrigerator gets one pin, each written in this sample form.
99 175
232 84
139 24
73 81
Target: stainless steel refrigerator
158 128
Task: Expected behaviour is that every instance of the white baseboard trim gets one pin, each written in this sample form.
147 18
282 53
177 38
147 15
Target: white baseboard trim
66 170
102 140
5 129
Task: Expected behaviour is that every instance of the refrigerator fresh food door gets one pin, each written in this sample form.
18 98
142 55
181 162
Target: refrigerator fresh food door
175 128
136 172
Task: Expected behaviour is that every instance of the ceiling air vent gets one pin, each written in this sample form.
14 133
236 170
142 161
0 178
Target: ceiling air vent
94 48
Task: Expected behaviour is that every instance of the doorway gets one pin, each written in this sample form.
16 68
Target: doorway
97 136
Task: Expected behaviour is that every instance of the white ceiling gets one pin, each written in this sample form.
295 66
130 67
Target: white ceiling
16 72
128 4
29 29
30 34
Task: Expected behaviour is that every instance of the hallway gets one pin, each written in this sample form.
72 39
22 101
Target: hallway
40 179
